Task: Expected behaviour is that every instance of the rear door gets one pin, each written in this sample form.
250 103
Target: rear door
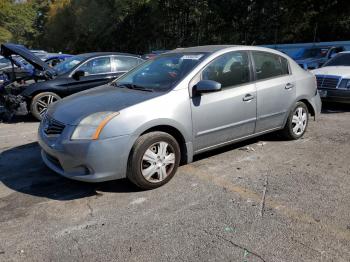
276 90
226 115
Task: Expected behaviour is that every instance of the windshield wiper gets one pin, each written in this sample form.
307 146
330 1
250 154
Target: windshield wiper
132 86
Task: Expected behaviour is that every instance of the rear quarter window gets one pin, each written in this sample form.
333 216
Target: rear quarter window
269 65
126 63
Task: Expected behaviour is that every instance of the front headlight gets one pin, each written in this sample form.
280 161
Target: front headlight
91 126
345 84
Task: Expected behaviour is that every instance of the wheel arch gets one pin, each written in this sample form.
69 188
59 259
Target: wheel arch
180 138
29 99
308 104
36 88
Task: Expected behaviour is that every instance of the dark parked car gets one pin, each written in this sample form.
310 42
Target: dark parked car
315 57
75 74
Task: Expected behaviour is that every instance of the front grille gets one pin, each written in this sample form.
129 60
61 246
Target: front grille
52 126
327 81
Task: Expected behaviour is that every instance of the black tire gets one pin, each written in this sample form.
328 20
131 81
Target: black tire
36 108
287 131
136 162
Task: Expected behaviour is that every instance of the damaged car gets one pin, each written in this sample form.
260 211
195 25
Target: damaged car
13 79
73 75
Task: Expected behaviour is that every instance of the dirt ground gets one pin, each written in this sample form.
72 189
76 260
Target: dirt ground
262 200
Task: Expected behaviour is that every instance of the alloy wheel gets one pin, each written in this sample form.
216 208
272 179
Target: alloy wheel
43 102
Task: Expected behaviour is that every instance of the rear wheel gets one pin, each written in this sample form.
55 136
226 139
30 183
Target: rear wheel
40 103
154 160
297 122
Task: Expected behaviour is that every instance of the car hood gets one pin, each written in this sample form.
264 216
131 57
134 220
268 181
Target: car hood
11 49
72 109
342 71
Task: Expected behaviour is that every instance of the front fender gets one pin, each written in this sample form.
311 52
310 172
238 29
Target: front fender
126 125
39 87
120 127
30 90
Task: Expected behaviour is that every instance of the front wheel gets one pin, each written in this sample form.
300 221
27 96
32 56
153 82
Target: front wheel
154 160
297 122
40 103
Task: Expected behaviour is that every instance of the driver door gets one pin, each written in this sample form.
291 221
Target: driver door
223 116
98 71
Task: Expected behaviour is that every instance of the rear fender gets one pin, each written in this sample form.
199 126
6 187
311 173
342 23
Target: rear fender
314 106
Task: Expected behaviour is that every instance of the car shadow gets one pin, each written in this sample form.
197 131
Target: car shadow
333 108
270 137
20 119
22 170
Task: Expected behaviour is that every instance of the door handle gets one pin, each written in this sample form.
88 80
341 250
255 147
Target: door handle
248 97
289 86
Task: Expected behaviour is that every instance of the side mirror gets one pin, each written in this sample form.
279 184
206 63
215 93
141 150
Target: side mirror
78 74
207 86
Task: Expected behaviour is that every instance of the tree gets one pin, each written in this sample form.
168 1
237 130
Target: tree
17 22
138 26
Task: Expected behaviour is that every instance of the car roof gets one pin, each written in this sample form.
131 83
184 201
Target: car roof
96 54
202 49
323 46
211 49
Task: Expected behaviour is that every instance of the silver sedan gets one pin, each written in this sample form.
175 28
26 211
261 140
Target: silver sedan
182 103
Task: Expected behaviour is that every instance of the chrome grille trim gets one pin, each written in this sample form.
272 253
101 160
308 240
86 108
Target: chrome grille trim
327 81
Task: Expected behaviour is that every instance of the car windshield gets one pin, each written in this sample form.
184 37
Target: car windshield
162 72
68 64
311 53
339 60
4 60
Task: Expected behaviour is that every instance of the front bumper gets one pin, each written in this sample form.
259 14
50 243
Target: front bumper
316 104
88 161
335 95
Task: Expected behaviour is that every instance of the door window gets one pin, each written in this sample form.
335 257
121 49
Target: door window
125 63
97 66
269 65
230 69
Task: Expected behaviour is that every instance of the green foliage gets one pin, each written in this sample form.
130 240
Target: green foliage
142 25
5 35
17 19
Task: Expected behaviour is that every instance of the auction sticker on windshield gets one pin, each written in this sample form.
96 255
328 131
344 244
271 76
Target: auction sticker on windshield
192 57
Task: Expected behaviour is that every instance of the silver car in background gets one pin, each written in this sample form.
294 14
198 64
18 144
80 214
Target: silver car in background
169 109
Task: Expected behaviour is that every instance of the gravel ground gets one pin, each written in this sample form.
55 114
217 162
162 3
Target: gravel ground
211 211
